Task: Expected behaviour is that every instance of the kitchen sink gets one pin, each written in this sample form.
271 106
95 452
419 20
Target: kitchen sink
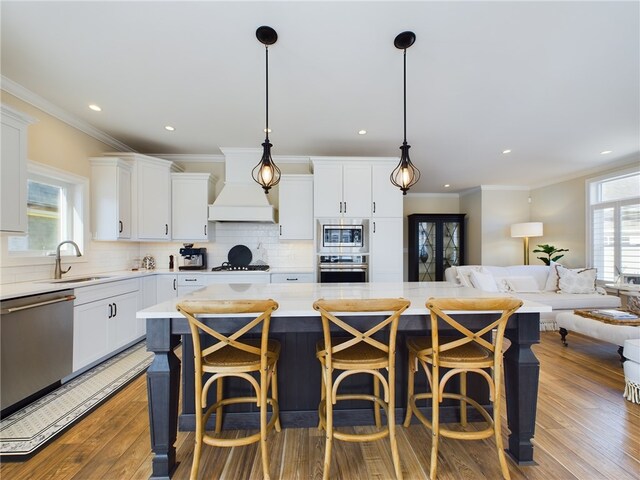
78 280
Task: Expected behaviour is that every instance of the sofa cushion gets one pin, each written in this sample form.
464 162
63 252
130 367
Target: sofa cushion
576 281
483 281
522 284
563 301
552 279
463 274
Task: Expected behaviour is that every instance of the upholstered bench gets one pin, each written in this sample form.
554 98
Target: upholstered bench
631 367
607 332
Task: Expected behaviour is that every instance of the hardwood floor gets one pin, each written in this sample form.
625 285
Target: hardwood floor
585 430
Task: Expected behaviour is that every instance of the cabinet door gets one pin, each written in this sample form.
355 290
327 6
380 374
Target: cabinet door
385 263
124 202
167 287
356 191
189 207
13 175
327 190
122 326
154 201
386 199
90 339
296 207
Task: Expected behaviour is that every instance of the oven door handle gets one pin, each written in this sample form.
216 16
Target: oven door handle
339 268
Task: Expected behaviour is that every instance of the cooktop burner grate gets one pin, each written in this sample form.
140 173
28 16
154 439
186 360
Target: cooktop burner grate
227 267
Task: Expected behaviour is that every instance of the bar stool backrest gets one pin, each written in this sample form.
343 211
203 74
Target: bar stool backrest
437 307
192 308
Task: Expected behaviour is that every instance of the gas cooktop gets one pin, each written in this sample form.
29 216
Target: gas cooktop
227 267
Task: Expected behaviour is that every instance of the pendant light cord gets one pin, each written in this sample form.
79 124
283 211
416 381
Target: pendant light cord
266 50
405 94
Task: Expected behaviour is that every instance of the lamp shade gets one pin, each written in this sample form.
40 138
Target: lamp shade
527 229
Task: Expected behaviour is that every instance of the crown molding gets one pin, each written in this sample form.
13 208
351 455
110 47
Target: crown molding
433 195
46 106
220 158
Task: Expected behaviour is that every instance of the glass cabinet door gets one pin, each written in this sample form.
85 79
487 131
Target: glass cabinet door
436 242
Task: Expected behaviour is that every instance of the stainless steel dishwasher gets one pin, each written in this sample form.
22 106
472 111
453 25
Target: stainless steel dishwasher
37 345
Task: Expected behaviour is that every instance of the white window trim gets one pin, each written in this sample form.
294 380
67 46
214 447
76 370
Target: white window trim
81 229
588 208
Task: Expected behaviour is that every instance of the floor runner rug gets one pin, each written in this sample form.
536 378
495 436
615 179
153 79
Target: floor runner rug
29 429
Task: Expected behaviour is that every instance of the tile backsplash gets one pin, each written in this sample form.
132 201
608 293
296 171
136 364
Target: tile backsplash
261 238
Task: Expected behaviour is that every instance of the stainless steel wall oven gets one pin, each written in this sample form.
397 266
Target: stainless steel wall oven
343 269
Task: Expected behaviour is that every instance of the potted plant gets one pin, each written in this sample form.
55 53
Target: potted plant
550 251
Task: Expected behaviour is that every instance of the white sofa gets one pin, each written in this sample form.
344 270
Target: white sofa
538 283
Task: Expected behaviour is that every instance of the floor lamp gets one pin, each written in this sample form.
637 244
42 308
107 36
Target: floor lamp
526 230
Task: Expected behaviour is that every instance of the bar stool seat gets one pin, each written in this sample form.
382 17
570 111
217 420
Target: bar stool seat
358 354
232 358
469 351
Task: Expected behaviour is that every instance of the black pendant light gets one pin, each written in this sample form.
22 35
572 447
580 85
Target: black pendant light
266 173
405 175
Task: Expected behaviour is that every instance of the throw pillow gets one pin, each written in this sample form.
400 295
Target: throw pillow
579 280
522 284
483 281
464 274
552 279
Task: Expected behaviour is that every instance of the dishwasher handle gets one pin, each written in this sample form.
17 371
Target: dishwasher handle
66 298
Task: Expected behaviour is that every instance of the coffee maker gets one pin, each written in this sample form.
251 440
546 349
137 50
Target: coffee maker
192 258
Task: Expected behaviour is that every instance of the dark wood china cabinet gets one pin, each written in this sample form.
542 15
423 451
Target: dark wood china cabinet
436 241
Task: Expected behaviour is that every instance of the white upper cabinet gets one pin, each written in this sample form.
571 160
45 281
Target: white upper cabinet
110 198
296 207
386 199
152 180
341 190
191 193
13 170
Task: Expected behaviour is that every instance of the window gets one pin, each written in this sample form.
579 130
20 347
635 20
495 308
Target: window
614 224
55 212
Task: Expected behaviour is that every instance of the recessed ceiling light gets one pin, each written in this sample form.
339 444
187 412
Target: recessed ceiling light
506 151
446 185
362 132
170 128
605 152
95 107
266 130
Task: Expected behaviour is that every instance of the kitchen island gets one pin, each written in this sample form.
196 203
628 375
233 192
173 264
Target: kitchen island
298 327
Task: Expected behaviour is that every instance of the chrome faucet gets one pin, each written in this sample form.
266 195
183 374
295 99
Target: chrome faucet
58 272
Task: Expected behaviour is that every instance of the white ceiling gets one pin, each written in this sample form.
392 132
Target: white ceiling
555 82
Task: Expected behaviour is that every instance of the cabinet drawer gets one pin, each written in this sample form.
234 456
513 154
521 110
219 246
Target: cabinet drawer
292 277
94 293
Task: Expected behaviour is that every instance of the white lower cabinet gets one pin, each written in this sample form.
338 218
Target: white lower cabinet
104 320
166 287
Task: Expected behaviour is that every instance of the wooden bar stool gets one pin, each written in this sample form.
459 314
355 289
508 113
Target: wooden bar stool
232 356
469 353
358 353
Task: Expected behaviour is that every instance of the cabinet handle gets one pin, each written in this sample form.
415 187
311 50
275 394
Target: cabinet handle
340 207
115 309
110 310
205 230
121 227
345 207
166 229
374 227
190 279
280 229
294 279
374 207
174 284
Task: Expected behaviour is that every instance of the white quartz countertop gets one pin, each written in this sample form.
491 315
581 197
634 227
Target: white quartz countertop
296 300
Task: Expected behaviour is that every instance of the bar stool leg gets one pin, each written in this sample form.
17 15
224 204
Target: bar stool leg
219 394
435 423
497 425
329 427
322 393
263 425
463 404
376 405
410 390
391 425
199 433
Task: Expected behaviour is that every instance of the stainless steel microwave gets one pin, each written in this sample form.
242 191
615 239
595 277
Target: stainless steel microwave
342 235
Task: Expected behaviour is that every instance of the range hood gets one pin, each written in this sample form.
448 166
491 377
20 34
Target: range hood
241 199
